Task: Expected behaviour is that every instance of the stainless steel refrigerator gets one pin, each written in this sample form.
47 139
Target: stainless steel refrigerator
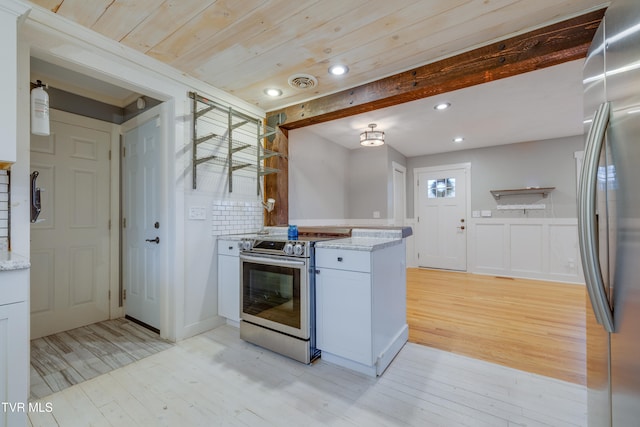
609 217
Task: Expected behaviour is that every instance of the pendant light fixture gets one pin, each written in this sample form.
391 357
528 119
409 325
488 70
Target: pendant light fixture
372 138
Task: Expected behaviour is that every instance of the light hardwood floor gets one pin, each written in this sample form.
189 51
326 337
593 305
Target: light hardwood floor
530 325
217 379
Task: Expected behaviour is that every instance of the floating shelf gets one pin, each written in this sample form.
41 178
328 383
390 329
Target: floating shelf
227 146
544 191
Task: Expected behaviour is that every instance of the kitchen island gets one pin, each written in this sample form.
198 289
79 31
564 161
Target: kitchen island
360 291
361 320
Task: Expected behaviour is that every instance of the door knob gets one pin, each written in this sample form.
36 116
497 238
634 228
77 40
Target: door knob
156 240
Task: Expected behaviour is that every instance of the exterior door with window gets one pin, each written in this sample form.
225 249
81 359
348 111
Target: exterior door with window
442 225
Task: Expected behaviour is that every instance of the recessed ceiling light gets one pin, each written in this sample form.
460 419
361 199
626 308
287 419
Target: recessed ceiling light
338 70
442 106
458 139
273 91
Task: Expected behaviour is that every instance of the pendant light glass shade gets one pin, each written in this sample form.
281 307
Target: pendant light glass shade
372 138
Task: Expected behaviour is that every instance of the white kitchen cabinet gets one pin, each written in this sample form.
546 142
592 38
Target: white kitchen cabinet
10 17
14 346
344 313
361 306
229 280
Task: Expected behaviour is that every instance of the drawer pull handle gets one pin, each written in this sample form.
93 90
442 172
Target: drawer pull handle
230 248
339 259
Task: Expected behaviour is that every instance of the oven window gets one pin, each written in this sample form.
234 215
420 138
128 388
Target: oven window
272 293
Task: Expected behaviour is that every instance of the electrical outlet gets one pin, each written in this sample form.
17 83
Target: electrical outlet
197 213
376 214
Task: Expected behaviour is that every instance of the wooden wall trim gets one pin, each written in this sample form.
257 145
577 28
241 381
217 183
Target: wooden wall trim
276 185
552 45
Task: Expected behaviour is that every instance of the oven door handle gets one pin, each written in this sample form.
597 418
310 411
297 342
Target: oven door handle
280 261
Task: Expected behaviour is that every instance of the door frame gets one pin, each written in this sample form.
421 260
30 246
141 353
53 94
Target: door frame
397 166
167 314
416 201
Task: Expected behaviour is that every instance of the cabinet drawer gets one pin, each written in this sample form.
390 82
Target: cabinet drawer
228 247
342 259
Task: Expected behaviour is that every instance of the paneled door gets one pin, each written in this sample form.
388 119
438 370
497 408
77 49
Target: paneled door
442 225
142 223
70 241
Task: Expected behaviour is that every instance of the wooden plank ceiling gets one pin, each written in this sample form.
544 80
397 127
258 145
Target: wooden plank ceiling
245 46
561 42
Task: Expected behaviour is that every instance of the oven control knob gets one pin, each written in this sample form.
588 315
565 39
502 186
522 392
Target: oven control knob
298 249
288 249
245 245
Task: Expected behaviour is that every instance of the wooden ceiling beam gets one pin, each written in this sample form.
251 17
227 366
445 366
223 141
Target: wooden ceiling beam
552 45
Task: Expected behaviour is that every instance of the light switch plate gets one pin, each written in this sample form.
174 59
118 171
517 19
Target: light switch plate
197 212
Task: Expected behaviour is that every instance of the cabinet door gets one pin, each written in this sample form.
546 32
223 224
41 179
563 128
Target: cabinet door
229 287
14 361
343 323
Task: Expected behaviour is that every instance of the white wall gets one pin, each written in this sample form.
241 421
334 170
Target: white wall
548 163
330 184
538 244
367 182
318 172
190 288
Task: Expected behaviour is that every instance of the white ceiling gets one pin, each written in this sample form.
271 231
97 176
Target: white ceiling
80 84
245 46
540 105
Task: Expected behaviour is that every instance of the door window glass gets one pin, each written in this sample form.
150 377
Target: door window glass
441 188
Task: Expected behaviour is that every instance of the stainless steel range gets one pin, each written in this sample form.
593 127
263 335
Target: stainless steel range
277 298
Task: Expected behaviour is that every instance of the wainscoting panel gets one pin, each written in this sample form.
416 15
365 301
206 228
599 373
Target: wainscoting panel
526 254
564 253
536 248
492 256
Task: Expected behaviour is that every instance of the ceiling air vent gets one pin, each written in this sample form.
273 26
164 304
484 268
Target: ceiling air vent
303 81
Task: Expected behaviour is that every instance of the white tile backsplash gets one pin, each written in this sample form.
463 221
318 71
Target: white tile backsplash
235 217
4 210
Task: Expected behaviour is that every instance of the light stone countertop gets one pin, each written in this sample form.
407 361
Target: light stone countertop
362 239
12 261
368 244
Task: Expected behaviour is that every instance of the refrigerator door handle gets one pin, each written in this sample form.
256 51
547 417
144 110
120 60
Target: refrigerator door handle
587 231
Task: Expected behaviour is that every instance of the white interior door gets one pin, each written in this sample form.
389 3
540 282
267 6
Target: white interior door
142 220
70 242
442 210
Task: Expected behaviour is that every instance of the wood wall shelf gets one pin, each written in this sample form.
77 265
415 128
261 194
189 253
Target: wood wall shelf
544 191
